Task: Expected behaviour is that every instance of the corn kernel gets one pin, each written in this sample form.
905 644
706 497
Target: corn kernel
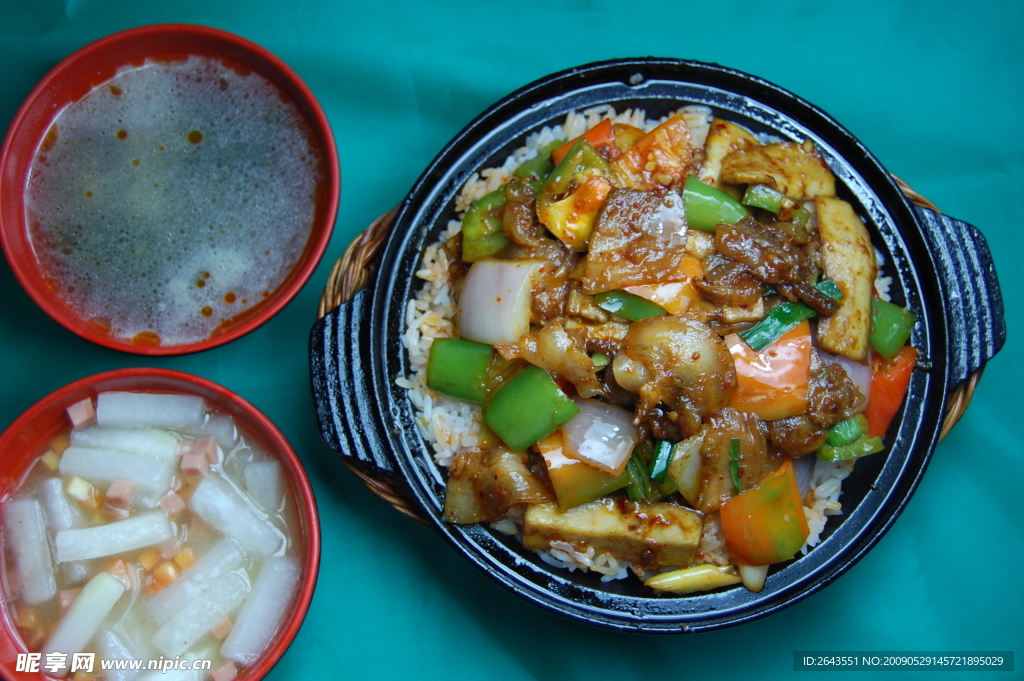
50 459
79 489
65 598
60 443
150 558
185 559
165 573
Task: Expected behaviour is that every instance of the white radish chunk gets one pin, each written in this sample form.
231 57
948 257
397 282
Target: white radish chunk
74 573
106 540
221 428
113 647
120 409
222 506
263 483
197 618
218 561
82 620
263 611
151 476
26 536
496 297
149 441
61 514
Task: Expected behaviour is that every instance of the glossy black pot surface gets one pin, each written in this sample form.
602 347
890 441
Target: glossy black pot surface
941 269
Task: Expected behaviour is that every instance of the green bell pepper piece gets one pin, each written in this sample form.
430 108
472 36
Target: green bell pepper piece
628 305
540 166
707 207
528 408
763 196
853 450
890 327
850 430
482 234
582 161
458 368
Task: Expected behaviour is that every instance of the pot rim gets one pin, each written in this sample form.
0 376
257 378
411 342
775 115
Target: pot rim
490 137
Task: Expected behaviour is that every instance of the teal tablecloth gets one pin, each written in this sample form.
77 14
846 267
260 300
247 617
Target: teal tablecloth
934 89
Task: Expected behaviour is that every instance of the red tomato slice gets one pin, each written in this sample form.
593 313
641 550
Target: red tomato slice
889 382
766 524
773 383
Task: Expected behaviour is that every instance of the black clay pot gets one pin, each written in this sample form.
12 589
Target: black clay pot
941 267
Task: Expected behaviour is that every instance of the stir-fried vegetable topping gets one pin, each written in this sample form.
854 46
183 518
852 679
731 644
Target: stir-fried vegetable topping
528 408
665 319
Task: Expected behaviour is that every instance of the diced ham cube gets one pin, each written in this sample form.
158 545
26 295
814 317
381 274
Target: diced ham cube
195 464
225 672
121 493
82 413
207 446
172 504
222 629
185 447
66 598
171 548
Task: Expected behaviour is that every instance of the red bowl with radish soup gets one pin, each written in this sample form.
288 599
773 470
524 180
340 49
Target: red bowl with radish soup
154 517
167 189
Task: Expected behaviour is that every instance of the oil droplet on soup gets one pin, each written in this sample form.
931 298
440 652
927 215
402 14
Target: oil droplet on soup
158 166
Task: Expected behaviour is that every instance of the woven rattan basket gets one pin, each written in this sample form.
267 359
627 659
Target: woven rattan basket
353 269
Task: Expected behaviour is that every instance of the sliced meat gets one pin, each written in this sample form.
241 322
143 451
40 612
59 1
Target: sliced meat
727 282
692 372
796 435
756 461
483 486
550 281
519 219
638 239
564 353
771 254
831 395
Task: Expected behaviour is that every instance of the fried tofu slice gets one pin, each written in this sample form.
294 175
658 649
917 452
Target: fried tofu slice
848 258
723 138
650 534
795 169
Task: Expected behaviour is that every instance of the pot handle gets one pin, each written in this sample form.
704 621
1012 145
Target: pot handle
341 382
975 323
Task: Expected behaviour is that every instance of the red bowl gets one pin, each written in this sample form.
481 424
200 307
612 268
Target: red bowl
77 75
25 439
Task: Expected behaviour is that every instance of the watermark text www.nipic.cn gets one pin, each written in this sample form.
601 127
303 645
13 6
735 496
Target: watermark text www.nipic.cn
86 662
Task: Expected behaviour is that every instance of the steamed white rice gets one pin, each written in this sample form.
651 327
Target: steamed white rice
452 427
